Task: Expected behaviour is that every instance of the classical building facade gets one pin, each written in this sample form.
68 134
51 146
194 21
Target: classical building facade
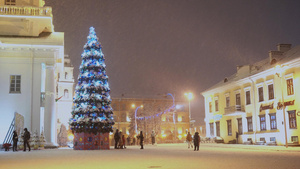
152 115
31 57
258 104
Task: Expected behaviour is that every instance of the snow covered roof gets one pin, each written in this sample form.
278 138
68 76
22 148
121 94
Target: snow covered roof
258 67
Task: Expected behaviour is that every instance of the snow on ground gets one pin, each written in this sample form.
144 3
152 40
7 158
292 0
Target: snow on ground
164 156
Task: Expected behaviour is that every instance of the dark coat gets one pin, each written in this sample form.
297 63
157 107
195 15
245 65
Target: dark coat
26 135
117 136
196 139
15 137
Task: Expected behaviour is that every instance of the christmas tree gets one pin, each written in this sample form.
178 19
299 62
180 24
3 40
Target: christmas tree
92 112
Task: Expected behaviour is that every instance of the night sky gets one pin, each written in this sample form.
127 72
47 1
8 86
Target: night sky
154 47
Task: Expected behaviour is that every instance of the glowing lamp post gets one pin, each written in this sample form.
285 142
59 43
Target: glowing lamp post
135 117
189 97
278 72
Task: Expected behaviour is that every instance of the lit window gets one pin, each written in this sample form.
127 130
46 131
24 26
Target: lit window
210 107
229 128
261 94
15 84
273 121
10 2
290 86
271 91
292 119
262 119
250 124
227 101
248 101
238 99
217 105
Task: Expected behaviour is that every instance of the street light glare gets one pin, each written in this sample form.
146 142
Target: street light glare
133 105
189 95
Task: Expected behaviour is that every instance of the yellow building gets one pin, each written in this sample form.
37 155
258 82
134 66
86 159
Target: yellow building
156 115
259 103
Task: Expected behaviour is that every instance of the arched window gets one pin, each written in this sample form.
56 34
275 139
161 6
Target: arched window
66 75
66 93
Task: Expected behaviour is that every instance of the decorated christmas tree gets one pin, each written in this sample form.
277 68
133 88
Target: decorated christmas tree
92 115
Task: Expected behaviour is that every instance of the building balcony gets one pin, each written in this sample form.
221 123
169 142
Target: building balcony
234 110
26 11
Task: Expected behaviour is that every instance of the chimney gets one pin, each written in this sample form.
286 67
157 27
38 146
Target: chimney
284 47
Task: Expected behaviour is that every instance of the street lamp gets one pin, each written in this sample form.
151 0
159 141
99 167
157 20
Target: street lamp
278 70
135 117
189 97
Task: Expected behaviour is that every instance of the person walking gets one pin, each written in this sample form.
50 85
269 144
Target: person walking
141 138
15 141
121 140
196 141
26 138
117 138
153 137
189 140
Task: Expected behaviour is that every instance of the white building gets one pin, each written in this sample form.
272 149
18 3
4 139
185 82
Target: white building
260 103
31 56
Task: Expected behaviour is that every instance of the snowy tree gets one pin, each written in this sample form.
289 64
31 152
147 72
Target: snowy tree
92 112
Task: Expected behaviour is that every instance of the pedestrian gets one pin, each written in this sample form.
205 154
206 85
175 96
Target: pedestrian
128 140
117 138
123 139
189 140
237 137
15 141
141 138
196 141
26 138
153 137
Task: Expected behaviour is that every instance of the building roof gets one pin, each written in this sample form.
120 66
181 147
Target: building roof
258 67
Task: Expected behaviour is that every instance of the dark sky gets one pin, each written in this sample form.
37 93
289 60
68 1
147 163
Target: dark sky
175 46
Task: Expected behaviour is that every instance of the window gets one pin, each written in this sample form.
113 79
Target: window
66 93
210 107
240 126
271 91
248 101
238 99
66 75
262 120
295 139
292 119
15 84
218 128
273 121
217 105
249 124
227 101
262 139
10 2
290 86
261 94
272 139
229 128
211 127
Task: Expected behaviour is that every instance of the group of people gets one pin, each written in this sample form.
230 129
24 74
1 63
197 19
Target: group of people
195 139
120 140
26 138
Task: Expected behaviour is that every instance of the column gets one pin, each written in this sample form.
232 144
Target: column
50 115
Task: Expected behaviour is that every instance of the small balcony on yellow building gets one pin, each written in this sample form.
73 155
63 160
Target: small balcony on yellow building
234 110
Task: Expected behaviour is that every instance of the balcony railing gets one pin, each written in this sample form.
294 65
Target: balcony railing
234 110
26 11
